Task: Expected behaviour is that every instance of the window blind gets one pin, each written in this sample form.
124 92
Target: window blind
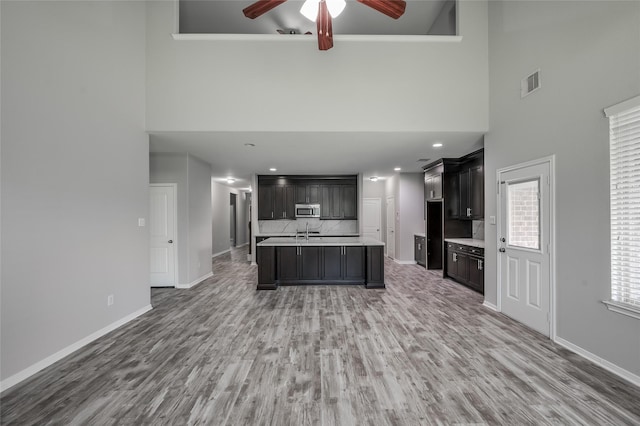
624 136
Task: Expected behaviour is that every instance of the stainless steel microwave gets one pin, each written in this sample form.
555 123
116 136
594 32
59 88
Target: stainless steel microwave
307 210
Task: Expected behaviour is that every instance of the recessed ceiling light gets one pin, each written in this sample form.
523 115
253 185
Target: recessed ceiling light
250 145
373 178
437 145
230 180
273 169
397 169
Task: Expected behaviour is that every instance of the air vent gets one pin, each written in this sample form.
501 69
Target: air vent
424 160
530 84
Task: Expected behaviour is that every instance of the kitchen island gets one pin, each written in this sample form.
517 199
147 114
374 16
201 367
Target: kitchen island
320 260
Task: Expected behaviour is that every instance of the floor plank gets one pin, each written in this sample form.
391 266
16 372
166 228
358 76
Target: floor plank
422 351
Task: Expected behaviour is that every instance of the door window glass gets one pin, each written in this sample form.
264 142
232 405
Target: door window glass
524 214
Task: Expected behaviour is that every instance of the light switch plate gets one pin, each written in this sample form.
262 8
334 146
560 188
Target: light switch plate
141 221
492 220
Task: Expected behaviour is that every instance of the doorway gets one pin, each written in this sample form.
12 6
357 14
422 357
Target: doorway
371 217
162 235
525 239
391 228
232 220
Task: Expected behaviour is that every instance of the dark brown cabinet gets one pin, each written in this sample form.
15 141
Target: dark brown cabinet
338 202
419 250
471 189
343 264
465 264
433 185
307 194
310 263
276 202
266 194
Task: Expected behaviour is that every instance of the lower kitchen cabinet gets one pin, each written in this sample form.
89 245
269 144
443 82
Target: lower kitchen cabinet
419 250
465 264
313 264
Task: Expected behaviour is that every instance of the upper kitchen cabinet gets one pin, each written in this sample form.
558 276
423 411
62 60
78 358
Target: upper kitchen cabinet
339 201
433 182
276 201
307 194
266 195
471 186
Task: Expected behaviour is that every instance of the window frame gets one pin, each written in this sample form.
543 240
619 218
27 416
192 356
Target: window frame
630 105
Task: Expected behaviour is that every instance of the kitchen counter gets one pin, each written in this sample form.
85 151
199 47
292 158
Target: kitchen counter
293 234
320 241
420 234
320 260
466 241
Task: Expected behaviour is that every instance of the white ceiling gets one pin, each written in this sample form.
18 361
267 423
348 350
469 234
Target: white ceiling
226 17
370 153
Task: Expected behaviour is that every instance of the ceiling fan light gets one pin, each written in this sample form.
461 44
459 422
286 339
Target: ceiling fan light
335 7
310 9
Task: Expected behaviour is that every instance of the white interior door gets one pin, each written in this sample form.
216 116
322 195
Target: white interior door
371 217
162 235
391 227
523 244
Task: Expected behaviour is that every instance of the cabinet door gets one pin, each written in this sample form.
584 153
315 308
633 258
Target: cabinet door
332 263
476 273
463 181
278 202
336 202
313 194
437 186
353 262
287 261
416 249
452 264
289 207
310 263
301 194
265 202
476 203
462 259
325 202
349 202
422 260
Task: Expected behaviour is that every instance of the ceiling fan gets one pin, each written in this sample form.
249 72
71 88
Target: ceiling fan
321 11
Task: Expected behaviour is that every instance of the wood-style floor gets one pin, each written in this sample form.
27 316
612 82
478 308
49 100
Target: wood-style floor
423 351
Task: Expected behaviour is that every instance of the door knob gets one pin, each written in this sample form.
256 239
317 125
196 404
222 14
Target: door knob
170 241
502 239
502 250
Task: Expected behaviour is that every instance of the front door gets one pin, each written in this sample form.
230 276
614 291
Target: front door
523 243
371 212
162 235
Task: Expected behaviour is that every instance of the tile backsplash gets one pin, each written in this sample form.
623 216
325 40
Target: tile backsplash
300 225
477 229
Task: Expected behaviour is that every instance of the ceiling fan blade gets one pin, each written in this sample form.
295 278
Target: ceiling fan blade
392 8
260 8
325 30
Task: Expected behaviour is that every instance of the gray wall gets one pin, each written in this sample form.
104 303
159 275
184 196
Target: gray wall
74 174
193 179
589 56
411 210
199 218
214 86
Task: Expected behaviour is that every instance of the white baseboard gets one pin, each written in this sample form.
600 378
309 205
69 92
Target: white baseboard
195 282
11 381
609 366
490 306
220 253
405 262
242 245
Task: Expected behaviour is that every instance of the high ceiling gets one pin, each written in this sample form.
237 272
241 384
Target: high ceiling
369 153
225 17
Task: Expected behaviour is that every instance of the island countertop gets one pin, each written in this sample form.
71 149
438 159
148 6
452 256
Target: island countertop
320 241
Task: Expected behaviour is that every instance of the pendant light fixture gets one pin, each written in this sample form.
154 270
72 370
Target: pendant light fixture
310 8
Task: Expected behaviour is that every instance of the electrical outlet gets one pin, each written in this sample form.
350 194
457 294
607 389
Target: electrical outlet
110 300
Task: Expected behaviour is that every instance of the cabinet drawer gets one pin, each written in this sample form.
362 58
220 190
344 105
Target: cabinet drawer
476 251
